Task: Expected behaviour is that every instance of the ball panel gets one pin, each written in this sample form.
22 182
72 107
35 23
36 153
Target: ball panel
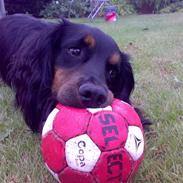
108 130
128 165
127 111
69 175
49 122
54 157
71 122
95 110
81 153
137 165
113 167
135 142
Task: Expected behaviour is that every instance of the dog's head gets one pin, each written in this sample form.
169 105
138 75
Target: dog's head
89 68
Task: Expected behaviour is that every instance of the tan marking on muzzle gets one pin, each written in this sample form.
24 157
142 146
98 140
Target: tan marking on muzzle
59 79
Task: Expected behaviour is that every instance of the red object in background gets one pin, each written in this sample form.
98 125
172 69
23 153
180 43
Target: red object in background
111 16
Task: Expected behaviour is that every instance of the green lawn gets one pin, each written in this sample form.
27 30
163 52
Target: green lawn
155 43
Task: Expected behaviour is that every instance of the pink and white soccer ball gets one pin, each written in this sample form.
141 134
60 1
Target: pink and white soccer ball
104 145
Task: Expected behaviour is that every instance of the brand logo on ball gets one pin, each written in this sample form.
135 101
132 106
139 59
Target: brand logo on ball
114 167
135 142
138 141
81 153
80 160
110 130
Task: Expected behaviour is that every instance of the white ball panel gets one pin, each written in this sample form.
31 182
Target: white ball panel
49 122
94 110
135 142
81 153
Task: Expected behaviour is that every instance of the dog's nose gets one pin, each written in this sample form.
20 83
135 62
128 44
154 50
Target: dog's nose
92 95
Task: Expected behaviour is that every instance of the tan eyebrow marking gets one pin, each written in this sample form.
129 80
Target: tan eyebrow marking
90 41
114 59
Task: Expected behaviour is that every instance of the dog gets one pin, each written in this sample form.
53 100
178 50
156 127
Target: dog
75 64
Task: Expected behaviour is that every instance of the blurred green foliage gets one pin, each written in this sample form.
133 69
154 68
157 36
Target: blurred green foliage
65 8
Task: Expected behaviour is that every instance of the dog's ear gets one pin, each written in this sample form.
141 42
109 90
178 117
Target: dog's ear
32 78
126 80
57 34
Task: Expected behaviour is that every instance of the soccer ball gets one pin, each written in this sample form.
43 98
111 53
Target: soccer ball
103 145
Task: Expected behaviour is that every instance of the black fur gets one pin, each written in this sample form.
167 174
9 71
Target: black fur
34 53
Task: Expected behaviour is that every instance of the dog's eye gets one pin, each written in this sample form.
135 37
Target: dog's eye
113 73
74 51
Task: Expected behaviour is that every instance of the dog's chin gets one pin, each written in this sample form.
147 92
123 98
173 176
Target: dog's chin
70 103
71 98
78 103
88 105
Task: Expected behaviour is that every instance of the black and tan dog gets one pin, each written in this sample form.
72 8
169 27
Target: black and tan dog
74 64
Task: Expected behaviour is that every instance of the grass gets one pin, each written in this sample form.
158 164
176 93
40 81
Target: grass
155 43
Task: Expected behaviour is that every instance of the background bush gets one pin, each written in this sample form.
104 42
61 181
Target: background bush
58 8
25 6
151 6
173 7
124 7
82 8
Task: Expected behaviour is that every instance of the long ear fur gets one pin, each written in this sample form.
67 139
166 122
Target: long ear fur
126 81
128 86
128 76
31 74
